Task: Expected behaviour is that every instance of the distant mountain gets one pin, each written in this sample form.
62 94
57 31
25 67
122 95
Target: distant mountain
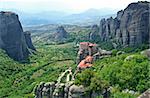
38 18
88 17
46 17
93 13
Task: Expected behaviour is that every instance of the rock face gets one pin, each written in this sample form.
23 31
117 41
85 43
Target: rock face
27 35
59 89
94 32
12 38
61 33
146 53
129 28
146 94
64 90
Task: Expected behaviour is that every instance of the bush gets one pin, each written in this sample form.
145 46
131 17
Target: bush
91 80
132 74
122 95
106 45
114 52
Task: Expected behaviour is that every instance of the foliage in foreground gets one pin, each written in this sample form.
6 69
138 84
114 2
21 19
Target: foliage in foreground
18 80
132 74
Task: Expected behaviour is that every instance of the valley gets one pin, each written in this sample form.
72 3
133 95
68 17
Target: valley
94 58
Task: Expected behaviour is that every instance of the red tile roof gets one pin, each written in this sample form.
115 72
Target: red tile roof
86 62
89 59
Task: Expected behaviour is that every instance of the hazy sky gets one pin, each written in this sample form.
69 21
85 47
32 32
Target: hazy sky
63 5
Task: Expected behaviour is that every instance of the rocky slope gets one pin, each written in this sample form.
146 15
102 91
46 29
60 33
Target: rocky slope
12 38
129 28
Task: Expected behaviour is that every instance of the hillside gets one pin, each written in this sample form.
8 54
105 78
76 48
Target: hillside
44 34
18 80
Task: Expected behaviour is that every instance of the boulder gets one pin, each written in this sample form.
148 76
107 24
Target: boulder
59 91
44 90
120 52
146 53
76 91
105 52
129 58
146 94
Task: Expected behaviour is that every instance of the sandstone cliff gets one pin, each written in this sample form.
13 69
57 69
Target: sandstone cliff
129 28
12 38
27 35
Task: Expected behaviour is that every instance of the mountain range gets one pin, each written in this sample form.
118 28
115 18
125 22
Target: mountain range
90 16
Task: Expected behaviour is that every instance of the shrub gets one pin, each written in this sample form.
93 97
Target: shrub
132 74
91 80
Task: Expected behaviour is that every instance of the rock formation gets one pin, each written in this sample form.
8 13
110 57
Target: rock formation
12 38
146 53
58 89
64 90
129 28
60 34
27 35
94 32
146 94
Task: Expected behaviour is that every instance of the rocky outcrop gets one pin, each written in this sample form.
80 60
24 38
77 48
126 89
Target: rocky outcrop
62 90
146 53
58 89
108 28
60 34
129 28
94 32
66 89
146 94
27 35
12 38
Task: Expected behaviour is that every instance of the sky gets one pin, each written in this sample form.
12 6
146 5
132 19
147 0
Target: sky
64 5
